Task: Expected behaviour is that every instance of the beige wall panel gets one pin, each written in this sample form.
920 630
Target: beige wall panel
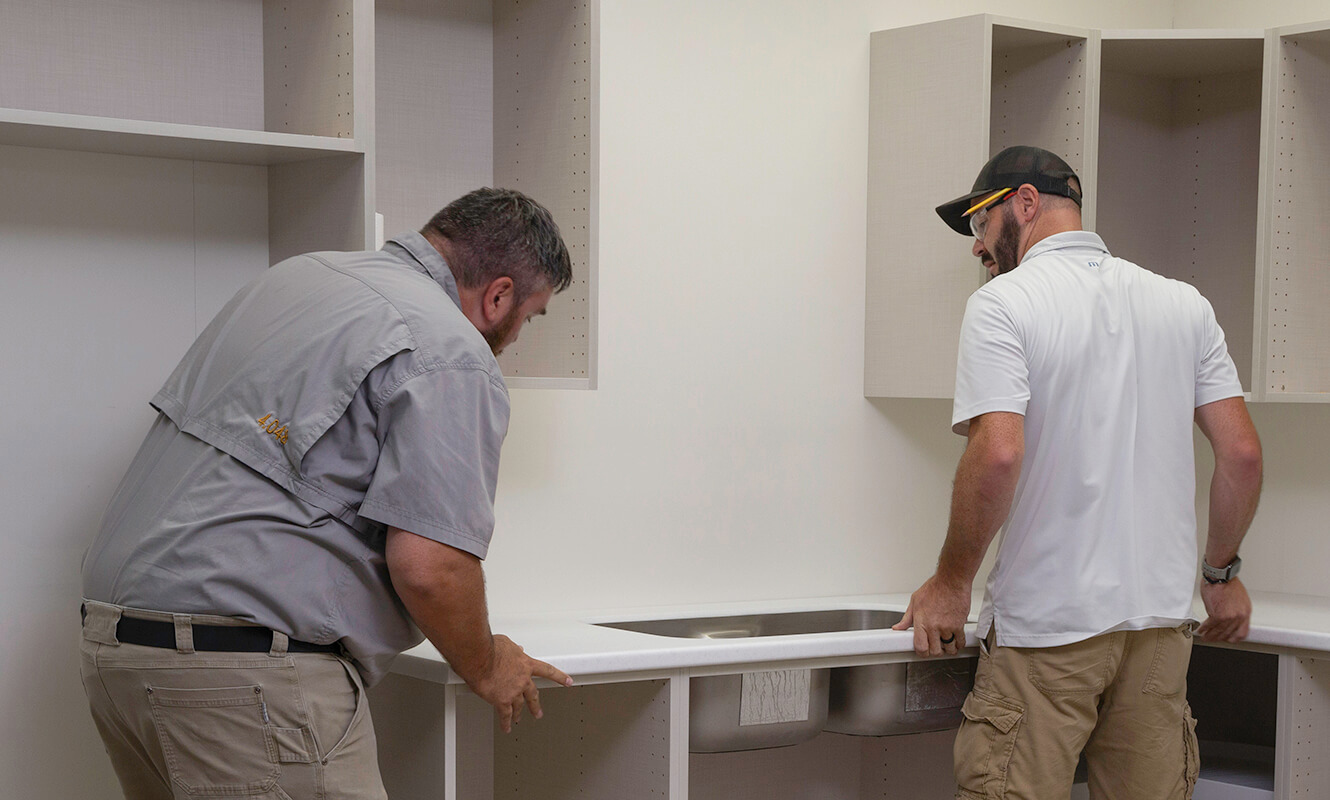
194 61
316 205
928 101
308 62
100 257
434 101
823 768
1298 286
602 742
230 233
543 147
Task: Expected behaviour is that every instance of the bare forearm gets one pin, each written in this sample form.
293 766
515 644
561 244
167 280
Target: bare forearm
1234 494
981 499
444 592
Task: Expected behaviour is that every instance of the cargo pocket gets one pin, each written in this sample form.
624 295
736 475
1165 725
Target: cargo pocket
984 745
216 741
1192 749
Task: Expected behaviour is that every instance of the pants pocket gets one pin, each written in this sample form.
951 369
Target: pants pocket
1168 668
1192 748
216 741
984 745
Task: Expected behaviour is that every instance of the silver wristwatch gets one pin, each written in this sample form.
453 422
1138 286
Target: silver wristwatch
1221 574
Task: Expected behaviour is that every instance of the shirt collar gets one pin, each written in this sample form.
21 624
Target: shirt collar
1069 240
420 255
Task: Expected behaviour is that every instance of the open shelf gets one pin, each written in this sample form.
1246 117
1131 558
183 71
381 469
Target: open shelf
56 131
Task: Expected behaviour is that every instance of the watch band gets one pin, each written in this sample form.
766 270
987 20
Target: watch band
1221 574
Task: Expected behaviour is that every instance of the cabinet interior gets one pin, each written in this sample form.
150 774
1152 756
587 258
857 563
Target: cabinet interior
1179 168
473 93
1236 729
1038 92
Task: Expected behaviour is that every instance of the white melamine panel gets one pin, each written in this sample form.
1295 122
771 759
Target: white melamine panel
602 742
919 272
1178 169
1297 345
434 98
198 62
99 256
543 146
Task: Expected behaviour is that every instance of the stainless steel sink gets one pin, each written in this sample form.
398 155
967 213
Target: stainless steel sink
720 713
787 623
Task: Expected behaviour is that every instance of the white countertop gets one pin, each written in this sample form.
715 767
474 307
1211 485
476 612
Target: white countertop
572 642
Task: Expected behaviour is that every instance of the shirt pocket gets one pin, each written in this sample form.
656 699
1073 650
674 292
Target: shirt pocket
984 745
216 741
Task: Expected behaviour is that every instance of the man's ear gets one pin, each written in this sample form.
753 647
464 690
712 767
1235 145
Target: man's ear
498 300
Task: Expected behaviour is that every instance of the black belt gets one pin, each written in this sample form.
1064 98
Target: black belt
210 638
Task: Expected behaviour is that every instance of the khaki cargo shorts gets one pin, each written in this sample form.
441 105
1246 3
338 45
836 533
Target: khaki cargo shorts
1120 697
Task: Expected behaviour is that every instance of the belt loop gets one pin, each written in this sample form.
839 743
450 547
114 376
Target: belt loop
99 624
280 641
184 633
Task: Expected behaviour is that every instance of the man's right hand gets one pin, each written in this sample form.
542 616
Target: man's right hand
509 682
1229 610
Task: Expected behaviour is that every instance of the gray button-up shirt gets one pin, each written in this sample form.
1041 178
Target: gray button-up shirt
336 395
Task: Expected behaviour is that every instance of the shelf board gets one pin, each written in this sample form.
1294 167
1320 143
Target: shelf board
53 131
1182 54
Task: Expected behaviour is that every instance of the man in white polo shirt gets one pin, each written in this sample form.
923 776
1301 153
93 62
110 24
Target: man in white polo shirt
1077 383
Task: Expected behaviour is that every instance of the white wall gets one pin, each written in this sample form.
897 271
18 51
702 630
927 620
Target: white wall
728 452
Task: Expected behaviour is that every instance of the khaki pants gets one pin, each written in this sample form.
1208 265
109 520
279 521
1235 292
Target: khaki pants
1121 697
182 724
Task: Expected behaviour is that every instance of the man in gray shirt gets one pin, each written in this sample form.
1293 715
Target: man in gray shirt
315 494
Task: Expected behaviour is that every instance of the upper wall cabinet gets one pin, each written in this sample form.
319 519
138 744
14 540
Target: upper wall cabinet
477 93
944 96
1203 155
1293 345
260 83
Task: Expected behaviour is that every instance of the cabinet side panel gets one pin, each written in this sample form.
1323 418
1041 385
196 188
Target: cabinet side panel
197 63
916 766
316 205
1309 731
602 742
1039 98
542 147
308 57
928 106
434 107
1297 325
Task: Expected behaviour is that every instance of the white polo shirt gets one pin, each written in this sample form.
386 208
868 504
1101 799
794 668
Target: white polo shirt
1107 362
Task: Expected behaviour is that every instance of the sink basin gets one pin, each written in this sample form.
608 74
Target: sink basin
741 626
759 710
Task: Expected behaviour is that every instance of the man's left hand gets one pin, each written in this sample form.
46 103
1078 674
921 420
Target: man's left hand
938 612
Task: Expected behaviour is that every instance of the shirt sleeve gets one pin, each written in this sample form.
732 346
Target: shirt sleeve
438 466
1216 375
992 373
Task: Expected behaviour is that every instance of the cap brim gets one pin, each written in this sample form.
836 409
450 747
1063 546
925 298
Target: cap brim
953 213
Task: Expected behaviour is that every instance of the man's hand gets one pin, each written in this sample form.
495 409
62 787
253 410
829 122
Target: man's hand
937 612
509 682
1229 610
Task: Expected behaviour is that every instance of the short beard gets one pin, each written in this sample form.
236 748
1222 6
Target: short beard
496 336
1004 249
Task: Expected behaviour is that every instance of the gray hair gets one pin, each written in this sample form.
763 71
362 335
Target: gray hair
501 232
